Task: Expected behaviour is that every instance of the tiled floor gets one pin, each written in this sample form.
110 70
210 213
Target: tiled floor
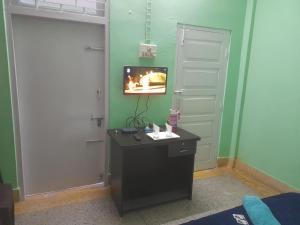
209 194
40 202
55 199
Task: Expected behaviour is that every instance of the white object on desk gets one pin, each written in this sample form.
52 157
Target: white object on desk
163 135
155 131
169 130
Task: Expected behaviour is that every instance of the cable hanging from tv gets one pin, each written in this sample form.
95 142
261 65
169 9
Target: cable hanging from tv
138 120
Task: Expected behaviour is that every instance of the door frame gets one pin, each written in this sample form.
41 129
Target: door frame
203 28
9 12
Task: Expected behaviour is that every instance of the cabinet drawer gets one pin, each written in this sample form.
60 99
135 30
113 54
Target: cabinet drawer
181 148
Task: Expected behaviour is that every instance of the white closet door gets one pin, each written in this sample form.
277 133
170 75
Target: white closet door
202 57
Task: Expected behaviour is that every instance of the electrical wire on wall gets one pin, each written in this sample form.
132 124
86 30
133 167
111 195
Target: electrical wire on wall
146 49
138 120
148 21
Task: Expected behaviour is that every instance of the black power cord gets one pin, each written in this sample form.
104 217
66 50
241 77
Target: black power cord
138 120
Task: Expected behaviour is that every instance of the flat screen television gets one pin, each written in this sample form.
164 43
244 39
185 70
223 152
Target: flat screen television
139 80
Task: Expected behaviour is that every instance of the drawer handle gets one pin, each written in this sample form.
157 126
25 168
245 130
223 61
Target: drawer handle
97 140
183 150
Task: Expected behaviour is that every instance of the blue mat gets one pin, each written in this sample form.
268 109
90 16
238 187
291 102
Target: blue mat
285 208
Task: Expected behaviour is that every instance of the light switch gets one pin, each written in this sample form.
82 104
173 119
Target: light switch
147 51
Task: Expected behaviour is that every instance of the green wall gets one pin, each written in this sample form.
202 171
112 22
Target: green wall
127 31
268 95
270 128
7 150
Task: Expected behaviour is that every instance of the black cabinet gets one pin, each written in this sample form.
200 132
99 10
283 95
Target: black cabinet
148 172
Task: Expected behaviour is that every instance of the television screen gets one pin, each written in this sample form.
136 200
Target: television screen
145 80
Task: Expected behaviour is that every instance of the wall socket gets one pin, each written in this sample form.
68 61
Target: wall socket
147 51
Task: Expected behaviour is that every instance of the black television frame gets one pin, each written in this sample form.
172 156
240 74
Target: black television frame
154 67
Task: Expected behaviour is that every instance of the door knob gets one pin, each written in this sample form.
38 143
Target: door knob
98 119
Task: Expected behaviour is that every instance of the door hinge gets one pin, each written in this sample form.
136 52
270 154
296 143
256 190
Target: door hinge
221 107
98 92
227 53
182 38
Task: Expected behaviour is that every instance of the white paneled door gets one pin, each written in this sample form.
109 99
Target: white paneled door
202 57
60 84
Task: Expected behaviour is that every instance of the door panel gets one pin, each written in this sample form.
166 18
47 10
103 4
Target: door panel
200 75
202 50
203 129
208 106
205 149
60 86
201 78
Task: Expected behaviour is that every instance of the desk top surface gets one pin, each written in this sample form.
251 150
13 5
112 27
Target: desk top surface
128 141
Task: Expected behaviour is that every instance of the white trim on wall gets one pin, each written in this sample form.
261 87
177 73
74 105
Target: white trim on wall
19 10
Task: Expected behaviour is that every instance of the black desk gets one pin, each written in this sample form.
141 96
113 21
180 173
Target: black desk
7 216
148 172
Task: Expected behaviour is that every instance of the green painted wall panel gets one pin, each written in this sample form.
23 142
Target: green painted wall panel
7 150
270 129
127 31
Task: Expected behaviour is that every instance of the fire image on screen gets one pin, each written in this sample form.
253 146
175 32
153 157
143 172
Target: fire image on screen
145 80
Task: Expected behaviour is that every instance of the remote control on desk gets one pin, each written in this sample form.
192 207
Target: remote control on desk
137 137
